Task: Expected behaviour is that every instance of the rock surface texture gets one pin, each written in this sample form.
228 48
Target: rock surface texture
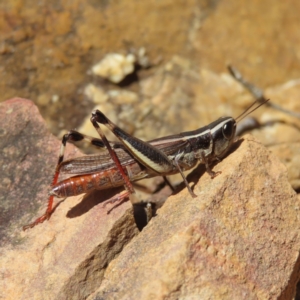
239 239
77 242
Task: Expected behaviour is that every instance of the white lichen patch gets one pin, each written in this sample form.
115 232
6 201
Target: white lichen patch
115 67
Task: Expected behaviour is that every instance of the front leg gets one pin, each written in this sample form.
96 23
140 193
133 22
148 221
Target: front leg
180 164
208 169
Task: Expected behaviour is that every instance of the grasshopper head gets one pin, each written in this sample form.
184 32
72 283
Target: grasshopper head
223 133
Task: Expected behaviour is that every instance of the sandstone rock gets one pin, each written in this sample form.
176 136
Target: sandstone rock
77 242
289 154
239 239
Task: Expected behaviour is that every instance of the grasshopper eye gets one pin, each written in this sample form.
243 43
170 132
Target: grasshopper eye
228 129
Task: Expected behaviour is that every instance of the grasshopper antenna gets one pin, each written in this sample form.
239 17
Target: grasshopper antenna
248 111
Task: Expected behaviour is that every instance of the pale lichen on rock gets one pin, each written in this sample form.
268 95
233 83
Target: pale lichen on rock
115 67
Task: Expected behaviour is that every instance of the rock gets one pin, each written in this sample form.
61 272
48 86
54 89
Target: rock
239 239
28 158
289 155
78 240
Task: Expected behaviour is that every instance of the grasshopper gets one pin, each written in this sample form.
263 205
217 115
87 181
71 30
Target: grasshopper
132 159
